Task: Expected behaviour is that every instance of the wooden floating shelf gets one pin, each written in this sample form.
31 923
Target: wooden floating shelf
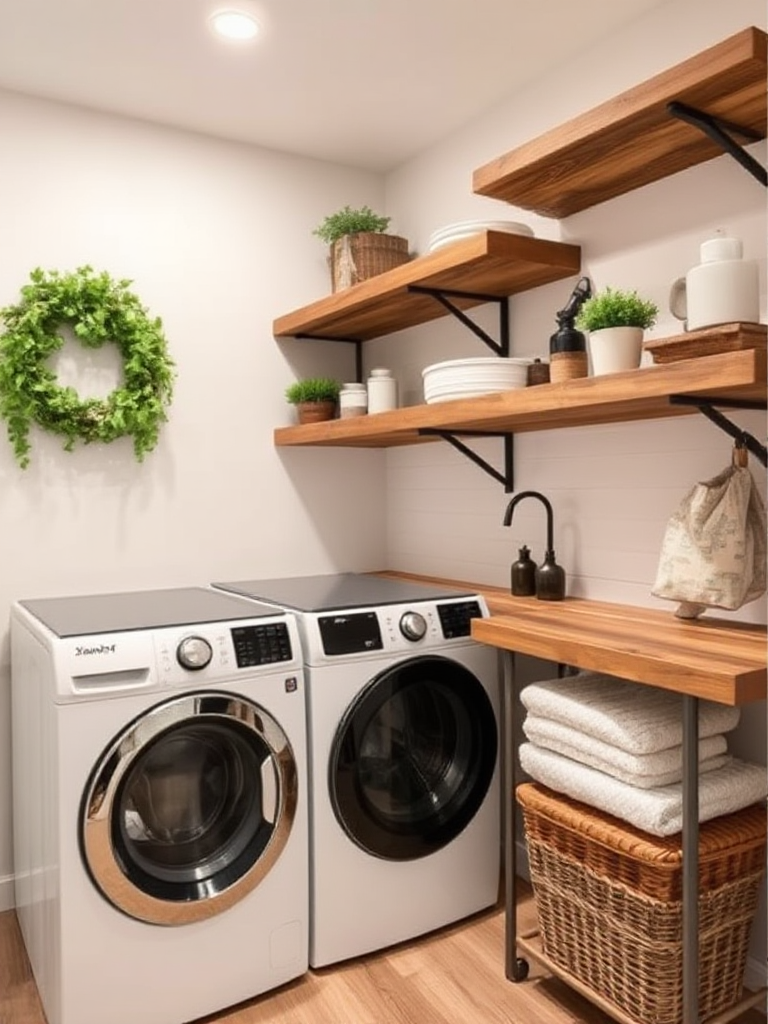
632 140
635 395
491 264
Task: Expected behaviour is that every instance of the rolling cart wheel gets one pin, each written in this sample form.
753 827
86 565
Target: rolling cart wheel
521 970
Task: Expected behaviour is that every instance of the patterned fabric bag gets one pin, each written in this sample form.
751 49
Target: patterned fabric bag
714 550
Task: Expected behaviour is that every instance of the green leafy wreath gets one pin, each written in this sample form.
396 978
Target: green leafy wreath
98 309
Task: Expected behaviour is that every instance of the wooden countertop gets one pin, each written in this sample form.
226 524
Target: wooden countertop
712 658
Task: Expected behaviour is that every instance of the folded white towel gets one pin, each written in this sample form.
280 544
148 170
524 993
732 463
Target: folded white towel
638 719
658 811
644 770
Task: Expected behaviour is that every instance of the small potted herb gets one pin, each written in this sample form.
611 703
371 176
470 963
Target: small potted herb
616 321
315 398
360 246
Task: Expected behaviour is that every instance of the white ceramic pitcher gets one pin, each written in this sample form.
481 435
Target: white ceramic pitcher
723 289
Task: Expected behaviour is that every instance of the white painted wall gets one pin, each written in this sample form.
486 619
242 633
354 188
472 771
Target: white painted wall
217 239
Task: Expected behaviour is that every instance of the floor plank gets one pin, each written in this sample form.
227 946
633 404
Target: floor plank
454 976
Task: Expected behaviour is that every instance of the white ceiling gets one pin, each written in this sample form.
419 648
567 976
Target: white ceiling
366 83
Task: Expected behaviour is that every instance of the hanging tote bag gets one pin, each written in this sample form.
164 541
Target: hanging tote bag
714 550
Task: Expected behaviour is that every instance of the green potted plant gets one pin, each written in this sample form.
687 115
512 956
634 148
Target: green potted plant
360 246
615 321
315 398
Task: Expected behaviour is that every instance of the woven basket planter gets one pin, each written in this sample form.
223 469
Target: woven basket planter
357 257
609 904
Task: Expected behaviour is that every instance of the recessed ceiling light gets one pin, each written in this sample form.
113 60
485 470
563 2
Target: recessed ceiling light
234 24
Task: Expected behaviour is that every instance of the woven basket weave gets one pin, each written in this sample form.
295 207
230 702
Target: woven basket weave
357 257
609 904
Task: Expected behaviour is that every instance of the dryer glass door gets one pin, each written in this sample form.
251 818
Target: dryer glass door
189 807
413 758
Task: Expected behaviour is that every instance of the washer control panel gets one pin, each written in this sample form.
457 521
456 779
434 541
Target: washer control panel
214 651
391 627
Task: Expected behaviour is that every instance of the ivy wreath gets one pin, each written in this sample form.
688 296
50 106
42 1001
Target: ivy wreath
97 309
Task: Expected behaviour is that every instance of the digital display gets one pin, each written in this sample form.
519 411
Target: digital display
351 633
456 619
261 645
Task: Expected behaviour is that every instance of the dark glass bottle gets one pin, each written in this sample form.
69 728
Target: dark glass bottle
523 574
550 579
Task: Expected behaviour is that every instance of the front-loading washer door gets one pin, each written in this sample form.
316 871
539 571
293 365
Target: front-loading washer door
189 808
413 758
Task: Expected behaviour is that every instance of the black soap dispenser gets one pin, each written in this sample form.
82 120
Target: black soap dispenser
550 579
549 576
523 574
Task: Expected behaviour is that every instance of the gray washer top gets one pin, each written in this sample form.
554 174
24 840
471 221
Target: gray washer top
140 609
343 590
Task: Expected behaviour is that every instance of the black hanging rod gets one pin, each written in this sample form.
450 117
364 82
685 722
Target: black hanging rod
444 296
741 437
506 478
718 130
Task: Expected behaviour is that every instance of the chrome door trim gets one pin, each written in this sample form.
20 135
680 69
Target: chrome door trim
116 761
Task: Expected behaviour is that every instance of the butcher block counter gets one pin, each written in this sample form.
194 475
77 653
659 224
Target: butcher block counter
712 658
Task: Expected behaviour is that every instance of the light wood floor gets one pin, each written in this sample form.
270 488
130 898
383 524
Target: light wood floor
455 976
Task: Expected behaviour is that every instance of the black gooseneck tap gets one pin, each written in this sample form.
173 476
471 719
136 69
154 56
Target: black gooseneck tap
550 577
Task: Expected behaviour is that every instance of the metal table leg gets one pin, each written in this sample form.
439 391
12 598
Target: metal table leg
514 968
690 860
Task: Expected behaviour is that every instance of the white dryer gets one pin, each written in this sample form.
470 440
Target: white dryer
160 811
403 727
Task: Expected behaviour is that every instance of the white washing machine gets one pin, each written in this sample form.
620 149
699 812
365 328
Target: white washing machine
403 727
160 802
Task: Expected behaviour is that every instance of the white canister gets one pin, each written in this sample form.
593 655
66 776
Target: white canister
382 390
722 289
353 400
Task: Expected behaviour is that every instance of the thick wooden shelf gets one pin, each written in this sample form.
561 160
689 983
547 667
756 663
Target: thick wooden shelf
614 398
632 140
492 264
712 658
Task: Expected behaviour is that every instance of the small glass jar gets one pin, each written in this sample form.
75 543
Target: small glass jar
353 400
382 390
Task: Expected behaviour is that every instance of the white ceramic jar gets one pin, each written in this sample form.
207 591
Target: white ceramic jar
382 390
353 400
722 289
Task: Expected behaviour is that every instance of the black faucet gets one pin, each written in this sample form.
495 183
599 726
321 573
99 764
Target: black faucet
550 577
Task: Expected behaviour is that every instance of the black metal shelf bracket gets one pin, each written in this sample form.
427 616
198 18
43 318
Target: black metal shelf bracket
720 131
444 296
742 438
506 478
348 341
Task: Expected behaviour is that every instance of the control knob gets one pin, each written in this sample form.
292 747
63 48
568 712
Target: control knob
413 626
194 653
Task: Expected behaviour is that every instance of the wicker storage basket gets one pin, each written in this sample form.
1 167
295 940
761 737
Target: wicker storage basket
368 253
609 902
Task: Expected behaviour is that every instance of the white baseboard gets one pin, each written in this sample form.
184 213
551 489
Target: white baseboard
7 901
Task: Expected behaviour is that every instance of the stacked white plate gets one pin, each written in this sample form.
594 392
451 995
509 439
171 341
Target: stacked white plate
469 378
468 228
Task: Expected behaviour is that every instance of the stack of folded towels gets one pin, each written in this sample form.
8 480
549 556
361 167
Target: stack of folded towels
617 746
